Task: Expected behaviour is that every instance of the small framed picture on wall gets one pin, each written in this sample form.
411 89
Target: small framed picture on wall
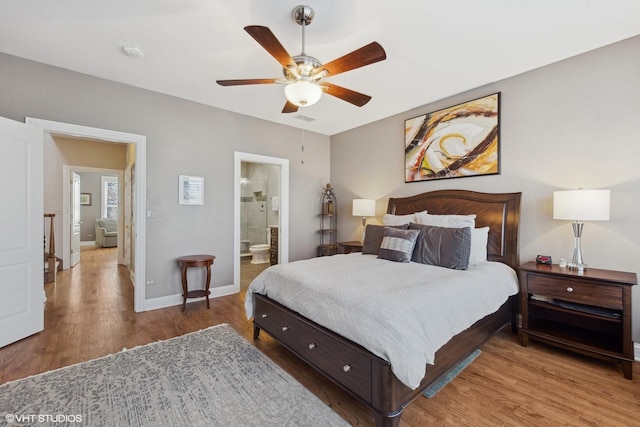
85 199
191 190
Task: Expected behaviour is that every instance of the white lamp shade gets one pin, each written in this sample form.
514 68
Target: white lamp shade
303 93
581 205
364 207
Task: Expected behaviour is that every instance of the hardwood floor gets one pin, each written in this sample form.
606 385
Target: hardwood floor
89 313
249 271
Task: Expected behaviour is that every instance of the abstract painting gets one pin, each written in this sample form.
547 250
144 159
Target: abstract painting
458 141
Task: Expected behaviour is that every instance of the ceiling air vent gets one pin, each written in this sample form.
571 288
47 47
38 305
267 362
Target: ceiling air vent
304 118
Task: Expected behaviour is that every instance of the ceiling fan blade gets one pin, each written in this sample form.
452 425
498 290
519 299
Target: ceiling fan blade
245 82
270 43
366 55
351 96
289 108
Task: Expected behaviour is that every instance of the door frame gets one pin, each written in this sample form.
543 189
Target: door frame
283 240
66 209
140 142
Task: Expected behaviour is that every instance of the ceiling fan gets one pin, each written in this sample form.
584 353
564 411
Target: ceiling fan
303 74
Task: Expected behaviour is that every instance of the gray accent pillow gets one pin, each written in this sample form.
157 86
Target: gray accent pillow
397 245
442 246
373 235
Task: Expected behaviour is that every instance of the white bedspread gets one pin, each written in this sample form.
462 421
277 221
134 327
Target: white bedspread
401 312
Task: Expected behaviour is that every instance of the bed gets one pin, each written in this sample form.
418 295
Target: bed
364 373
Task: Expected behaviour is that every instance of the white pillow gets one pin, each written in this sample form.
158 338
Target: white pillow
479 239
390 219
451 221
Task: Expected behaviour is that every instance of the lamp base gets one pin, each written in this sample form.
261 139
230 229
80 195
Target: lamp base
576 262
364 228
577 267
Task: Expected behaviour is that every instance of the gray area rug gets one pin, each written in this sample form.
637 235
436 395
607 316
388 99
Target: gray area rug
212 377
434 388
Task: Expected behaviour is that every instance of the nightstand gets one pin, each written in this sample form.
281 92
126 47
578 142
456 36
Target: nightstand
348 247
587 312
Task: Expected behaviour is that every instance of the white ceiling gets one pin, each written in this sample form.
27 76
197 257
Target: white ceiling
435 48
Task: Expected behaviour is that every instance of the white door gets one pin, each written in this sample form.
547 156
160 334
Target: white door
76 219
126 251
22 219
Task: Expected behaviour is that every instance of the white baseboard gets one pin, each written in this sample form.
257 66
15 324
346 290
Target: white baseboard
176 299
88 243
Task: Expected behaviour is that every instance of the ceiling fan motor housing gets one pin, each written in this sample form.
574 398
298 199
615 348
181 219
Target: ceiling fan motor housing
306 65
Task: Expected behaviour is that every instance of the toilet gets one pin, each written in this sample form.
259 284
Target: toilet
260 253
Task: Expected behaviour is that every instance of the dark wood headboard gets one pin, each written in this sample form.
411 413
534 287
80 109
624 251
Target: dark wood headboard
499 211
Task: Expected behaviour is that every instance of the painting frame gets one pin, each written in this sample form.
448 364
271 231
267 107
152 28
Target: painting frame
85 199
459 141
190 190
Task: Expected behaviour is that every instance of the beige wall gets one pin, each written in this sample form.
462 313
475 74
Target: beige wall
183 138
88 153
568 125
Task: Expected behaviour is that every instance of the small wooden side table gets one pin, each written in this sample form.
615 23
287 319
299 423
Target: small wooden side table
348 247
195 261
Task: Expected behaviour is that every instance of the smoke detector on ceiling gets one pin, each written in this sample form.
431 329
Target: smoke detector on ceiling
133 51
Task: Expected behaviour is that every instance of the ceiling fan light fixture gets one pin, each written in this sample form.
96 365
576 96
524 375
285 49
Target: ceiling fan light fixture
303 93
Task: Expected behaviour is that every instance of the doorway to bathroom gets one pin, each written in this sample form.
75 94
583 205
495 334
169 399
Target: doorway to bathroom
259 218
261 215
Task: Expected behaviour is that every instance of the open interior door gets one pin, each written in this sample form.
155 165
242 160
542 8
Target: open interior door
76 219
21 246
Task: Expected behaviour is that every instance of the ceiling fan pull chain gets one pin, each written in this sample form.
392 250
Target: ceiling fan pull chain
302 146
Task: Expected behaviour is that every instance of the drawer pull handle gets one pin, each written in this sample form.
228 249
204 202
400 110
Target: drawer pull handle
285 328
569 289
312 346
346 368
265 315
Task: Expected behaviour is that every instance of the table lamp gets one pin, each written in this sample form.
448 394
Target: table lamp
364 208
578 206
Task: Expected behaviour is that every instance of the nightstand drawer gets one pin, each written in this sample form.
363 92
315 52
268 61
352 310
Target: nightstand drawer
576 291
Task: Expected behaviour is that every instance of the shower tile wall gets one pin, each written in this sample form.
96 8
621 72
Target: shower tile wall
259 185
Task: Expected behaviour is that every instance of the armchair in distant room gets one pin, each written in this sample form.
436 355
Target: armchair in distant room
106 232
